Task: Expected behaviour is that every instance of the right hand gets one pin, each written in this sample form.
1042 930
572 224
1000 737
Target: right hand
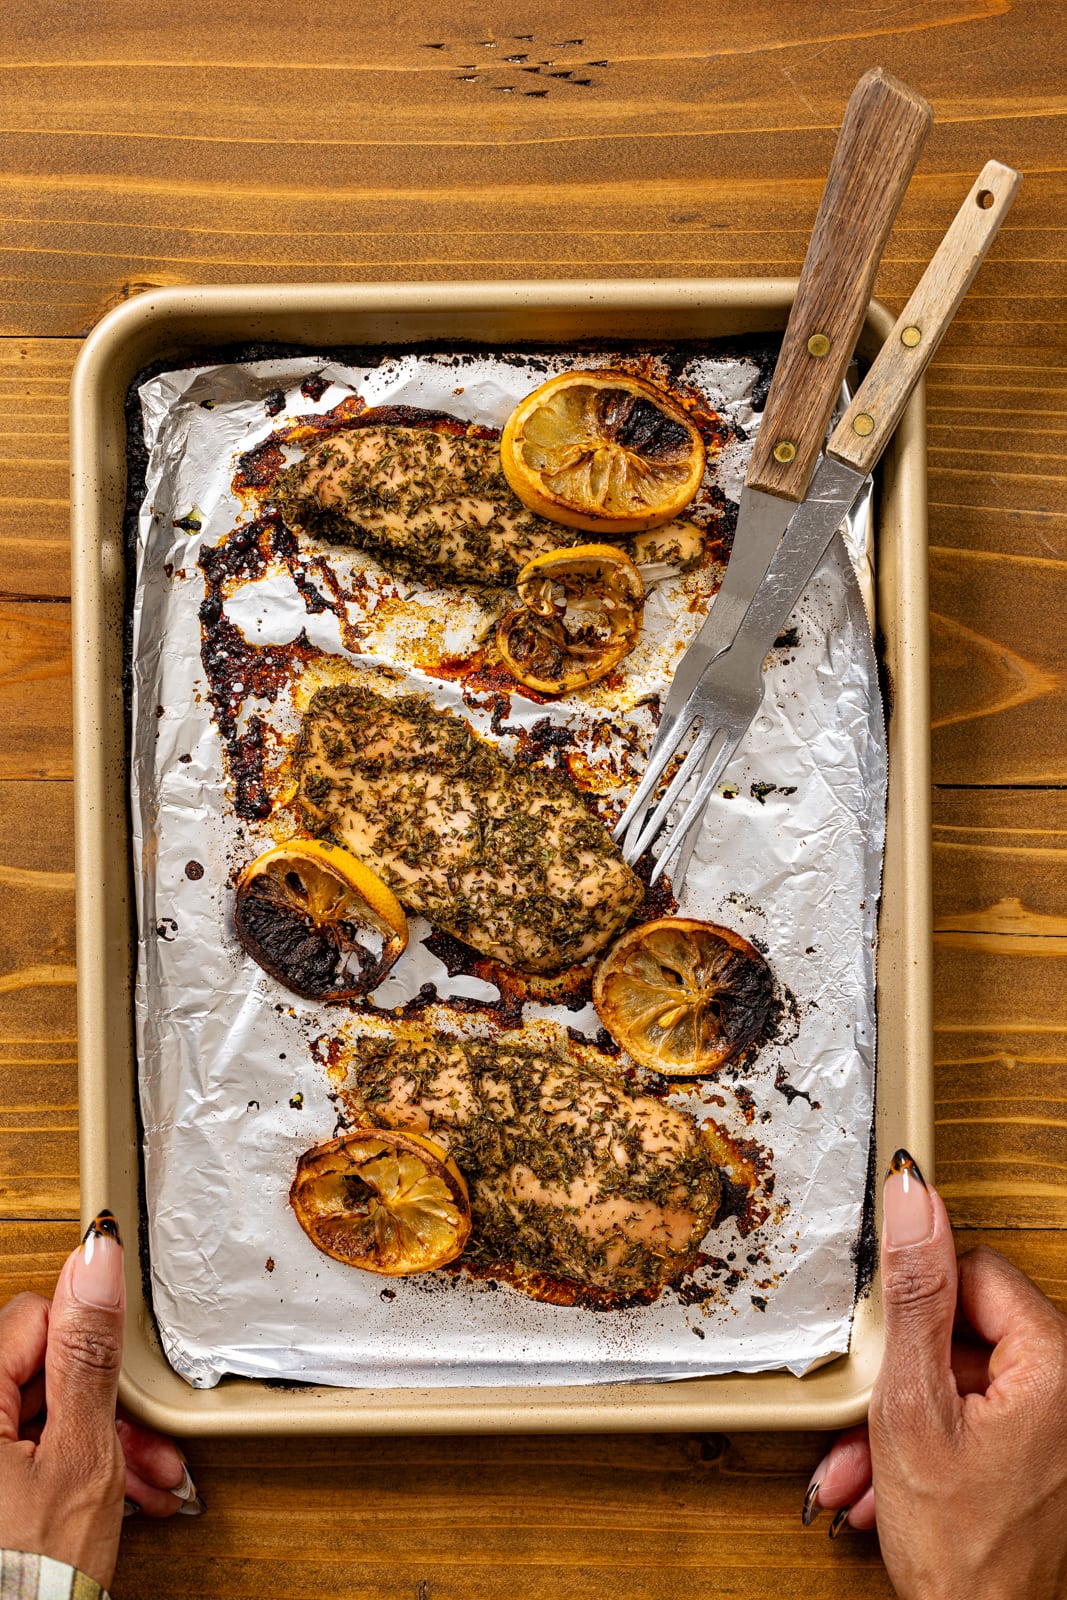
158 1482
967 1436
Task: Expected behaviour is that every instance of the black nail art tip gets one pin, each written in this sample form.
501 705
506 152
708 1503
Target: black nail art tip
839 1522
103 1225
811 1505
904 1161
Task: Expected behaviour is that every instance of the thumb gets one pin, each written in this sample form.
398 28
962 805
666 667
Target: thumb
84 1351
919 1282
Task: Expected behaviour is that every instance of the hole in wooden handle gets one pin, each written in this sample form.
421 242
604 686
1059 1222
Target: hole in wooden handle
985 198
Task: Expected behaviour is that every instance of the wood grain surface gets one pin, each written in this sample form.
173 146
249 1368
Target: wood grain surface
195 143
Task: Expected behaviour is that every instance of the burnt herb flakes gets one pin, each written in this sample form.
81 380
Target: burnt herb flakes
505 857
571 1174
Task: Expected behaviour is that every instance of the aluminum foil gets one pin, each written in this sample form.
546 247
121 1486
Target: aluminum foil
238 1076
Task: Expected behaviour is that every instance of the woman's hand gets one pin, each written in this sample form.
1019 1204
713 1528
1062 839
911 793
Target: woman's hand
157 1477
964 1462
64 1475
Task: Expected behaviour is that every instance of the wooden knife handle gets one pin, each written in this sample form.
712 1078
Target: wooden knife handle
883 131
865 429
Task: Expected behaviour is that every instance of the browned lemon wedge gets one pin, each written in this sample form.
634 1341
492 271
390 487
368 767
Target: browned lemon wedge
683 996
580 615
386 1201
602 451
318 920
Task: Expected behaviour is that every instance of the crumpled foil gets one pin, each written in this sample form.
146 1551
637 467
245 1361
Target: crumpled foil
233 1079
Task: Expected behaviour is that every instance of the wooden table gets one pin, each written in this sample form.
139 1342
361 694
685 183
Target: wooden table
190 142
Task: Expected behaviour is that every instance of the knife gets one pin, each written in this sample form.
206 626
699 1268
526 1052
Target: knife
729 690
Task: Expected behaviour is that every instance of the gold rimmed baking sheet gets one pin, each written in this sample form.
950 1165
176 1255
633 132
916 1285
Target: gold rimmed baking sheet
175 324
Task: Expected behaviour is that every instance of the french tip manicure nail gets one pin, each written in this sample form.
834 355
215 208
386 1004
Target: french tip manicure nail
193 1508
103 1226
130 1508
839 1522
186 1490
96 1274
811 1507
811 1504
904 1161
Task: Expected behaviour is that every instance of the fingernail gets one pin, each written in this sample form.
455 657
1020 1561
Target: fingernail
130 1508
909 1213
839 1522
811 1499
96 1276
192 1508
104 1223
186 1490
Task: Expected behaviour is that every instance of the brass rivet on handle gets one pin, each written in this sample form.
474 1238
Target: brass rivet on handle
863 424
784 450
911 336
818 346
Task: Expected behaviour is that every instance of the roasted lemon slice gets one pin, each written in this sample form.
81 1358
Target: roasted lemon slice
383 1200
580 614
602 451
683 996
318 920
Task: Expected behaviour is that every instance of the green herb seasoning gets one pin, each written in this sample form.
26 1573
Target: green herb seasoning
427 498
571 1172
506 857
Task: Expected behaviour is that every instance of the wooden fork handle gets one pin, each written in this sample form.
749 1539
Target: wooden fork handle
883 131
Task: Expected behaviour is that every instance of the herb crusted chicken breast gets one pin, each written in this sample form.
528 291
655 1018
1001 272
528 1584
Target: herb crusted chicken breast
421 491
571 1173
505 857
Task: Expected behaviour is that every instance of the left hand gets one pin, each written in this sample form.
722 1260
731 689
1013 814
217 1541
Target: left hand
66 1464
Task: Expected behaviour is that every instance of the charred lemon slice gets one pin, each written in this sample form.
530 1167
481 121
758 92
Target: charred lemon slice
602 451
386 1201
683 996
318 920
580 614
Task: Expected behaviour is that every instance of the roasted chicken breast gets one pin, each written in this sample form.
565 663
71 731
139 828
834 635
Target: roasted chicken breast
505 857
570 1172
421 491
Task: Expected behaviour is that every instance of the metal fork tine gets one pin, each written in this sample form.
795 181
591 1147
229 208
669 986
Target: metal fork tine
689 821
666 742
634 847
678 874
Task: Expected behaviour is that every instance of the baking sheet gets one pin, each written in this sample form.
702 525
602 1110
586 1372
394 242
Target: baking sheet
235 1075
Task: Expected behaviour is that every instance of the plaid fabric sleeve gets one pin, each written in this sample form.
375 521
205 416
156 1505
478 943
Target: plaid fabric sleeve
29 1577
